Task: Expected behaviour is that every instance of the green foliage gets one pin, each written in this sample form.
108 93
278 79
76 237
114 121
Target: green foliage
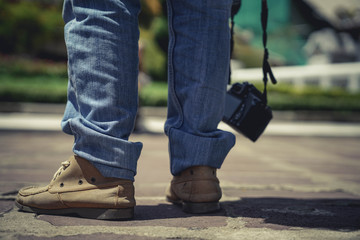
156 38
280 97
25 26
154 35
52 89
33 89
249 56
161 34
29 80
16 67
154 94
154 62
42 81
35 28
287 97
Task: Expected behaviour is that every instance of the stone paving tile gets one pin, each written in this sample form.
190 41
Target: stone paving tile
336 168
261 178
284 213
96 236
271 193
150 190
8 190
353 178
149 213
6 206
286 185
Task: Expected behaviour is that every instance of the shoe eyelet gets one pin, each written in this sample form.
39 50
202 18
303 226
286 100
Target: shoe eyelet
80 182
61 184
93 179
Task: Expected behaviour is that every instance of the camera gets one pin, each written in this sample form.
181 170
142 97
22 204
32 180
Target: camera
246 110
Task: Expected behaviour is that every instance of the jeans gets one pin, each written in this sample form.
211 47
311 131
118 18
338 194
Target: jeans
102 46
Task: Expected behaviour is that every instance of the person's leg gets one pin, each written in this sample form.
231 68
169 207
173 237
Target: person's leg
198 71
102 44
199 59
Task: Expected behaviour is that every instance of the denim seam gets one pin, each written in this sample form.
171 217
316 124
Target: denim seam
171 76
75 134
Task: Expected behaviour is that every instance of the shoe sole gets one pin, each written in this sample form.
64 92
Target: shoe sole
92 213
197 208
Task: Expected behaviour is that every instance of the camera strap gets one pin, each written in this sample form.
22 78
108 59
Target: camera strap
234 10
266 69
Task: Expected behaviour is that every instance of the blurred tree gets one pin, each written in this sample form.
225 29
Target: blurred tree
35 29
26 27
149 10
153 24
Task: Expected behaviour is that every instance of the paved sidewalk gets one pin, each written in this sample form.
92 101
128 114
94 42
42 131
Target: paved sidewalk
281 187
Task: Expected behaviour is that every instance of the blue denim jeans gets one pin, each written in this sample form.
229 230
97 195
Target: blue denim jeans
102 46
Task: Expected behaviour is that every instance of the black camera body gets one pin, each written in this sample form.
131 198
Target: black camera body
246 110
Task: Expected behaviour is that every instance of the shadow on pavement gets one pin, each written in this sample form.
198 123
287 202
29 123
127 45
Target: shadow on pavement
273 213
332 214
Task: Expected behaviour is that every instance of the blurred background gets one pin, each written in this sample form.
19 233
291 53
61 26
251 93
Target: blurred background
314 50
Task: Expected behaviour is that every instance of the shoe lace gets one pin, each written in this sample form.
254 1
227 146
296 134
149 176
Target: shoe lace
64 165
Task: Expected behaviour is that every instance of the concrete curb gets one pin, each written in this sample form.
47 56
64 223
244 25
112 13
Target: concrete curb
155 124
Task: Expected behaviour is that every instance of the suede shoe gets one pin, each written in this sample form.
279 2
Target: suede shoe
79 189
197 189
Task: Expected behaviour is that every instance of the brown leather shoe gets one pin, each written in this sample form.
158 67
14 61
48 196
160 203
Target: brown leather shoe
197 189
79 189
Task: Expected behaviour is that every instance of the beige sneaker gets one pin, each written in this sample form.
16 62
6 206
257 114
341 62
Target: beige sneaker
197 189
78 189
